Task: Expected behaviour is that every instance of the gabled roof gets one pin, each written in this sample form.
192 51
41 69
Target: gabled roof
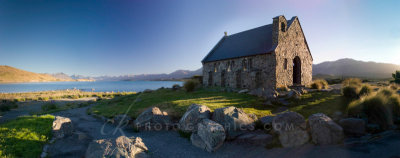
247 43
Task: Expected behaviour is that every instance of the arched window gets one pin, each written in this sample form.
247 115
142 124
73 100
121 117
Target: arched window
283 27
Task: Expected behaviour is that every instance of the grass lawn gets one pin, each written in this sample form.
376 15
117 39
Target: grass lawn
319 102
25 136
177 102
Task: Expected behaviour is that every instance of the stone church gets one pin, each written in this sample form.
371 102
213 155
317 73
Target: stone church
261 59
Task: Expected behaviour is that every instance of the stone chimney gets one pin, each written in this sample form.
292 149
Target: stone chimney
279 26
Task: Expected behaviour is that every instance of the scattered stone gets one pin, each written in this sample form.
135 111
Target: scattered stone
253 116
244 91
152 119
291 128
353 126
62 126
210 135
122 146
324 130
234 120
255 138
294 94
194 115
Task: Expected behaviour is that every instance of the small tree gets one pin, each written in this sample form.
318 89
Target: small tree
396 77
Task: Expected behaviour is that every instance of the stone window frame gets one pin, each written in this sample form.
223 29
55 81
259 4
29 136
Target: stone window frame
283 27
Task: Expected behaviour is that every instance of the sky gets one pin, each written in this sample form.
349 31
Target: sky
105 37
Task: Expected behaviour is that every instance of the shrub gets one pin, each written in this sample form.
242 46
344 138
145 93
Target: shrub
351 92
176 87
44 98
386 92
396 77
365 90
319 84
352 82
191 85
49 106
382 108
394 86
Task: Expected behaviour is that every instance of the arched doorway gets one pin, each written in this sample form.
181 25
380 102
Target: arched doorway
297 71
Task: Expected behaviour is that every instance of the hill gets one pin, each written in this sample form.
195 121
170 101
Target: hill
176 75
355 68
10 74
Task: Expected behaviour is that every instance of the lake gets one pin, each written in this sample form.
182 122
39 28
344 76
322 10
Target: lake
97 86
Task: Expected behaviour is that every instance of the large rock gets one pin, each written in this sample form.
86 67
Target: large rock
122 146
291 128
255 138
234 120
353 126
210 135
324 130
152 119
266 121
62 127
193 116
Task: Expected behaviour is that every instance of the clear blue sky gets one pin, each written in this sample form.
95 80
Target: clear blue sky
146 36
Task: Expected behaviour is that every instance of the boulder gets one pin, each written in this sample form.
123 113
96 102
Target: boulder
293 94
266 121
353 126
152 119
209 136
122 146
324 130
194 115
234 120
255 138
291 128
62 126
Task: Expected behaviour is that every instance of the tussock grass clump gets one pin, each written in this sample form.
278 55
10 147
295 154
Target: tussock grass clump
319 84
365 90
352 82
49 106
191 85
350 92
381 108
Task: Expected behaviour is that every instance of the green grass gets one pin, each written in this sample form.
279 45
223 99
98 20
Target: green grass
25 136
319 102
176 102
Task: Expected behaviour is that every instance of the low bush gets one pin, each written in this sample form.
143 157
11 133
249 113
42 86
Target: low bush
351 92
365 90
49 106
381 108
352 82
319 84
7 106
44 98
191 85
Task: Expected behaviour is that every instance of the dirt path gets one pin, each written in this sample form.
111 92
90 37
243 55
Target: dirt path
169 144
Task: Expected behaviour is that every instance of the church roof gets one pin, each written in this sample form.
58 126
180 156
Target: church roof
247 43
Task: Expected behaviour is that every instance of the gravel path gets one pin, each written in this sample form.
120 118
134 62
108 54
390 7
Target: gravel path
167 144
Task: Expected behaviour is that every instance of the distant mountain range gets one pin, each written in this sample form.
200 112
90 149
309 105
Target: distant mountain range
339 68
354 68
